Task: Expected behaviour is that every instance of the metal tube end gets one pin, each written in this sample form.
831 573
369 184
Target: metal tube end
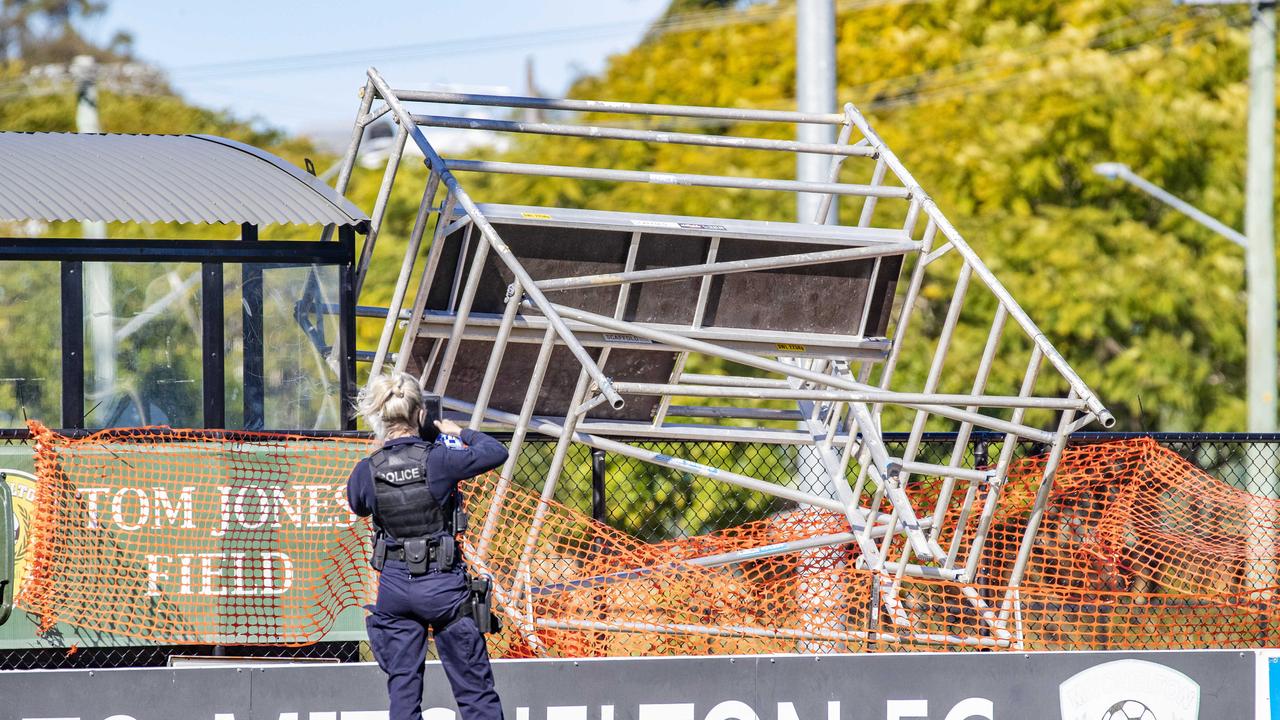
1110 170
617 403
1107 419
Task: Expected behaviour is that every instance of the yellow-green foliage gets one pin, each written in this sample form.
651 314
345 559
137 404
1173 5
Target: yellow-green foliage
999 109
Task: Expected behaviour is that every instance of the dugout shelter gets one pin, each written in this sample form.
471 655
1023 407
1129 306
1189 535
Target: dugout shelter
153 330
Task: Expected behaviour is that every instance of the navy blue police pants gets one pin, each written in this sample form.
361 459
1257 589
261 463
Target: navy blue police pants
407 606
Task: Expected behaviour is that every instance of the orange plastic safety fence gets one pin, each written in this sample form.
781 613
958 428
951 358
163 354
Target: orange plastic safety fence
191 536
1138 548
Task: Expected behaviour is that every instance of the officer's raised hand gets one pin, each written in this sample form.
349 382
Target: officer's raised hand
448 427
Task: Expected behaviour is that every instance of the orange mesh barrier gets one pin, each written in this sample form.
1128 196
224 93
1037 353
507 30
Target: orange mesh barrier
189 536
1138 549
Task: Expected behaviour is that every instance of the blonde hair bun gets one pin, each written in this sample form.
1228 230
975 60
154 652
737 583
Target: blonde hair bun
391 402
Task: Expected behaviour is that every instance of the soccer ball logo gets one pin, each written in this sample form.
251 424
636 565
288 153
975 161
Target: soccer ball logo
1128 710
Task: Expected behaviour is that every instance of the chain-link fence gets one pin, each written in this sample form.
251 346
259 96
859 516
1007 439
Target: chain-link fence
656 503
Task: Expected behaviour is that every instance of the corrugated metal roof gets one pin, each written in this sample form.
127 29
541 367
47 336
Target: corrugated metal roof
159 178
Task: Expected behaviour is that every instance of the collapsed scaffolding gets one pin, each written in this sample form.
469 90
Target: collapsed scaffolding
809 314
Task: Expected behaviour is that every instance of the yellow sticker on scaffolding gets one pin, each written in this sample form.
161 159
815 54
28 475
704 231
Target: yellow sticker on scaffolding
535 216
788 347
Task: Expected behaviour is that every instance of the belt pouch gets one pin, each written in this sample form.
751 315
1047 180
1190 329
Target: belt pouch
416 554
446 552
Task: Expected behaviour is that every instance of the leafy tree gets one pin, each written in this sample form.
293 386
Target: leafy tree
999 109
44 31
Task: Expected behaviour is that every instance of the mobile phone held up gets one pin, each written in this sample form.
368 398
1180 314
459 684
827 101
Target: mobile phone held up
431 413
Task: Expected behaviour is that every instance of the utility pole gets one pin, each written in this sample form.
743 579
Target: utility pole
1259 212
1259 221
815 93
97 275
1260 271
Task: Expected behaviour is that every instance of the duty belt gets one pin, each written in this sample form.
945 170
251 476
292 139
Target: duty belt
418 554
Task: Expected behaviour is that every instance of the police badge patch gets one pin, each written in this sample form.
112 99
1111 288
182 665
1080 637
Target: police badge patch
1130 690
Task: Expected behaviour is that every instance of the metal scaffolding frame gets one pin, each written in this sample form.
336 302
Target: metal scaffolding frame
841 383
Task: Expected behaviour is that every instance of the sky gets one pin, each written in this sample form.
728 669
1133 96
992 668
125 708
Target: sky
298 65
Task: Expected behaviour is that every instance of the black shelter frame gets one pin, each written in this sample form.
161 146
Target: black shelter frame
185 179
252 254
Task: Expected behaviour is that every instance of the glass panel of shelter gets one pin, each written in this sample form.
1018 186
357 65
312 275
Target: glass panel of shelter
142 344
31 351
295 385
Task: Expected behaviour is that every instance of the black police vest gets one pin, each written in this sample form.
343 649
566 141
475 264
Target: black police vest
405 506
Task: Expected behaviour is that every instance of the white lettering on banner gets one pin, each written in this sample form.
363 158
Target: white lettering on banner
301 506
439 714
117 509
214 574
904 709
666 711
522 713
731 710
224 510
268 571
172 512
315 506
91 496
208 573
184 586
567 712
121 717
135 508
153 579
971 708
264 511
244 508
787 711
606 712
237 574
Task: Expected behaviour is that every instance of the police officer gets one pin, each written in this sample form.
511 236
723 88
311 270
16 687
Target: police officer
409 486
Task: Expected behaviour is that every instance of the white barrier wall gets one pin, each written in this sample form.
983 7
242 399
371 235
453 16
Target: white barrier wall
1193 685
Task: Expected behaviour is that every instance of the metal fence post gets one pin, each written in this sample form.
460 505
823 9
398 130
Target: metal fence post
981 454
599 462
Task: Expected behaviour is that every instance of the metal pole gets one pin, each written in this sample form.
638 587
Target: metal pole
1120 171
815 93
98 289
598 466
686 179
1259 221
729 267
253 368
840 149
605 106
212 342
